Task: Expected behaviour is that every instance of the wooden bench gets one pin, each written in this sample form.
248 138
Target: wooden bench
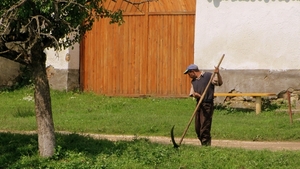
257 97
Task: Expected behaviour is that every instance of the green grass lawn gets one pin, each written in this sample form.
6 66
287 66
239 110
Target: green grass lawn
86 112
89 113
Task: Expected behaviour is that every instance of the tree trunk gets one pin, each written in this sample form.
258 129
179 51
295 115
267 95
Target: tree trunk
43 109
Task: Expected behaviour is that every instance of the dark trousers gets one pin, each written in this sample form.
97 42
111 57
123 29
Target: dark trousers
203 122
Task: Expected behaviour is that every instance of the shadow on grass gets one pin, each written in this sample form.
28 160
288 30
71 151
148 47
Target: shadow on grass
15 146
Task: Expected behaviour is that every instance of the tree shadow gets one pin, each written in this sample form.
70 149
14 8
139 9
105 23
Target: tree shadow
14 146
89 145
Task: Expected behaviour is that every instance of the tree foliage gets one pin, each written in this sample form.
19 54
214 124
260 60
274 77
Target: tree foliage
54 23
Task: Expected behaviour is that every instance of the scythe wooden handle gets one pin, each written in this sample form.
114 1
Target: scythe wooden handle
201 99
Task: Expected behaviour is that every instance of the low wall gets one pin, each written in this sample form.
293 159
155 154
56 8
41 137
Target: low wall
9 72
267 81
63 79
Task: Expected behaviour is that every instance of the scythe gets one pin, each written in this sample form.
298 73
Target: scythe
189 123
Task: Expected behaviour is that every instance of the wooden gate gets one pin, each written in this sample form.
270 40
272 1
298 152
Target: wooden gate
145 56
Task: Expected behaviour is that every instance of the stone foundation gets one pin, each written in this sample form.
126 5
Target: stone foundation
67 80
256 81
281 100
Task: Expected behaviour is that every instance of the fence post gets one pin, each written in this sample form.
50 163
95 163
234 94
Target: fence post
290 106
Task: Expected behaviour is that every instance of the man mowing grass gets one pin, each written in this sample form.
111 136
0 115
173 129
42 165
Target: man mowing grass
203 117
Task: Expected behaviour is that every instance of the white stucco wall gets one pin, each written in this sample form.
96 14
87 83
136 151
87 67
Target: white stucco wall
253 34
58 59
63 73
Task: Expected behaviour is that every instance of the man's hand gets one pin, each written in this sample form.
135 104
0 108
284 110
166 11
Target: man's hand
216 70
196 95
217 79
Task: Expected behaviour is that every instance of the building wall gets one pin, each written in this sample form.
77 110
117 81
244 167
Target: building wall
9 72
260 40
63 68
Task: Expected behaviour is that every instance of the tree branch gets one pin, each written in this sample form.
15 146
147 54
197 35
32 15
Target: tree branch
3 52
137 3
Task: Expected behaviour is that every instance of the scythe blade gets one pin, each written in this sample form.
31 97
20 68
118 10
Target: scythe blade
173 139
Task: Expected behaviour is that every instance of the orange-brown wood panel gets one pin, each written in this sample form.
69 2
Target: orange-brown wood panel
165 56
83 69
123 6
173 56
118 5
89 58
138 55
126 58
144 52
110 4
94 59
172 59
153 47
132 49
99 62
131 53
112 76
130 8
123 61
104 67
156 70
157 53
119 57
182 41
100 79
178 52
145 56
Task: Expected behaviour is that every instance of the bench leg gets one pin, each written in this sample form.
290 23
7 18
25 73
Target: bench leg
258 104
